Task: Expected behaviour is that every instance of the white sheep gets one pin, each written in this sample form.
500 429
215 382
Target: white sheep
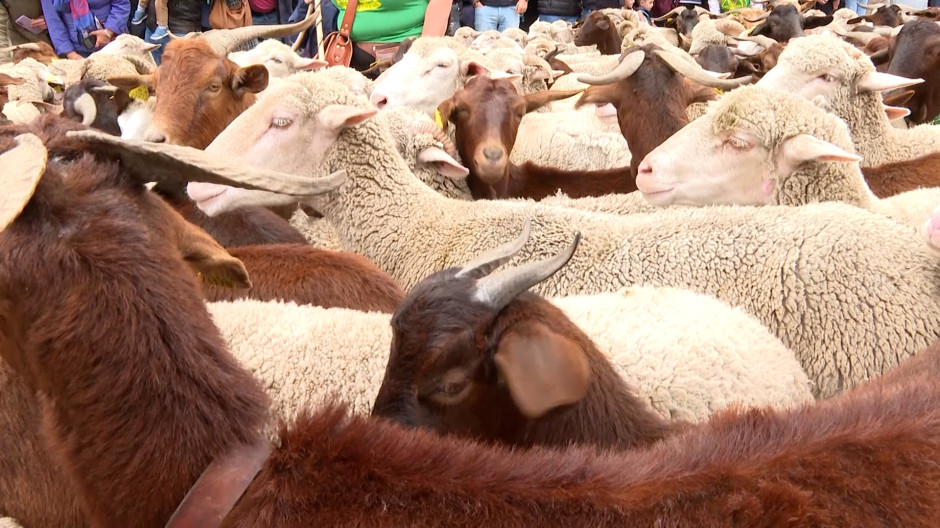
827 67
7 522
777 149
37 78
792 267
689 355
279 59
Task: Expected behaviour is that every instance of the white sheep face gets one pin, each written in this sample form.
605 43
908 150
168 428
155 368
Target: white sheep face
420 82
277 57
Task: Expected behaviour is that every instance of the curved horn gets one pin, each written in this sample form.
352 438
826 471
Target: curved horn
760 18
627 67
496 257
501 288
22 168
871 7
671 13
225 40
176 164
31 46
761 40
85 106
551 54
694 72
428 127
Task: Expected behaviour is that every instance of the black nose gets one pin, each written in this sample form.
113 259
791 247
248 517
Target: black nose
493 154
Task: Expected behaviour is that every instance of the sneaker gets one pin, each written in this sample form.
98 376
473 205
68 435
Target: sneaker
161 33
139 16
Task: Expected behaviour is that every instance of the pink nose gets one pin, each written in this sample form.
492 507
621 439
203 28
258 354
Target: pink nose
645 174
379 100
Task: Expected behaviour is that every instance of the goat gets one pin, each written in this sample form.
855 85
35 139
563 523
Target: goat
6 80
890 179
39 51
785 21
915 53
600 30
478 355
96 104
155 407
718 59
890 16
308 275
650 89
487 113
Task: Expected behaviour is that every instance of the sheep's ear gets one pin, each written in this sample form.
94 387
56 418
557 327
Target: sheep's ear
470 68
250 79
338 117
543 370
210 260
311 64
21 168
9 79
882 82
897 112
802 148
442 162
534 101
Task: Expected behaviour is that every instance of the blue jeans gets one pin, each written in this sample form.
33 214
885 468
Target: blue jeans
852 5
552 18
498 18
157 53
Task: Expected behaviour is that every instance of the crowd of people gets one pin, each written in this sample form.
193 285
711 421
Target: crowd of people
76 28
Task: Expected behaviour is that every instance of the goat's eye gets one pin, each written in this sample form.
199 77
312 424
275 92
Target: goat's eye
451 388
281 122
215 87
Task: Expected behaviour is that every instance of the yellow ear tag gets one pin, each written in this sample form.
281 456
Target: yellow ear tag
141 93
439 120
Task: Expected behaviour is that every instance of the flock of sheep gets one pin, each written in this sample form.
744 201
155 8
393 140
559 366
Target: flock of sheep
673 275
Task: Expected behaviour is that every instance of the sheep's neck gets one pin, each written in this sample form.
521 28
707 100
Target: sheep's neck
874 137
825 182
140 393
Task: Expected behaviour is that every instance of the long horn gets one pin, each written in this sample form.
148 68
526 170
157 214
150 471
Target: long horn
496 257
32 46
871 7
225 40
627 67
694 72
762 40
428 127
501 288
177 164
85 106
760 17
674 12
22 168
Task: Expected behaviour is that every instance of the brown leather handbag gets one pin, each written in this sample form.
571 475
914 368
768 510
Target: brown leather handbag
229 14
338 46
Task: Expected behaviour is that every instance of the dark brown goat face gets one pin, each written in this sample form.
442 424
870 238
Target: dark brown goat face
785 22
915 53
199 93
883 16
454 369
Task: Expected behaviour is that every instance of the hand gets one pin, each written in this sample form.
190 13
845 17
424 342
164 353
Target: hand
38 23
101 37
74 56
521 6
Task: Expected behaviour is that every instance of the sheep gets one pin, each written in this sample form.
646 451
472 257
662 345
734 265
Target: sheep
776 148
36 79
364 469
835 74
861 255
465 35
277 57
26 111
931 231
129 45
485 323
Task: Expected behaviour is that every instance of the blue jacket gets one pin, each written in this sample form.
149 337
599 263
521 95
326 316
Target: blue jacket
113 14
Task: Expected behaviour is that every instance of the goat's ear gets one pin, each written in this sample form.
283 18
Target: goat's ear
814 22
599 95
443 163
446 109
338 117
9 79
22 168
469 68
542 369
898 98
761 29
210 260
801 148
250 79
876 81
129 82
534 101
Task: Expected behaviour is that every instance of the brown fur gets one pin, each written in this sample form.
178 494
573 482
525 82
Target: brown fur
81 238
895 178
883 16
440 329
651 104
308 275
487 114
599 29
188 112
915 53
142 378
45 54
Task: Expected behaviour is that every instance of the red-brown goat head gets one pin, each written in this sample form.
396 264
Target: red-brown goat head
487 113
450 363
199 90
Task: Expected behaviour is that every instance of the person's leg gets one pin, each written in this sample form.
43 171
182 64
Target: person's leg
140 14
163 15
485 18
585 12
510 18
549 18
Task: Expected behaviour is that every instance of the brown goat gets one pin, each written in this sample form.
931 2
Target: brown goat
889 15
486 114
308 275
39 51
478 355
140 395
915 53
600 30
650 97
902 176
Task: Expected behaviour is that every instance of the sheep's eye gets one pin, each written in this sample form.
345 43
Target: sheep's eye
737 143
281 122
277 61
441 65
827 78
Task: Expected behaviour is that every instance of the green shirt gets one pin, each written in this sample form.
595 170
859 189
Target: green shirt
728 5
385 20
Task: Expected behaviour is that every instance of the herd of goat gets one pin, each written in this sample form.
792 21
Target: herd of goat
681 274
